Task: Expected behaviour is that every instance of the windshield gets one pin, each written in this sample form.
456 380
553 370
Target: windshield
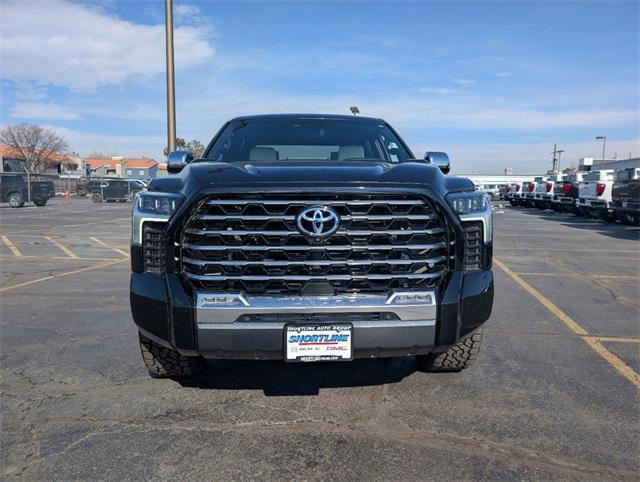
294 138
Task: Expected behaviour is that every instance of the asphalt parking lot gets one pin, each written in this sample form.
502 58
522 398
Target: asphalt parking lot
553 395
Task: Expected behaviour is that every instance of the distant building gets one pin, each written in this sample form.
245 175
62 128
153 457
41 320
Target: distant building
12 160
590 164
497 179
123 167
508 171
141 168
162 170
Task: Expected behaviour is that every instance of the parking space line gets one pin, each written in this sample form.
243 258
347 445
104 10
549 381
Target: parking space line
50 227
583 275
593 342
108 246
123 238
61 246
543 248
619 339
92 222
62 258
60 275
16 252
606 338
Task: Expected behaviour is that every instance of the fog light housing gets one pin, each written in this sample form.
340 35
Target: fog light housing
473 246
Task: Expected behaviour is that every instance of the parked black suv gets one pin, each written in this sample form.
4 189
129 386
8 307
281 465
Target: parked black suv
309 238
15 190
110 190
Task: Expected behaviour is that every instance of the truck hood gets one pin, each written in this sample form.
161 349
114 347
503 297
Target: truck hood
205 175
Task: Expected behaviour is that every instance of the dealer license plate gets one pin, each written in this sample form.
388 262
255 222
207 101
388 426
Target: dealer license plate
332 342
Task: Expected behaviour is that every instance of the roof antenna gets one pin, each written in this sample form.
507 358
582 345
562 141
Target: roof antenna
354 109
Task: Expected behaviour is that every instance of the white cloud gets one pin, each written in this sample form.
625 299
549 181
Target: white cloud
527 157
206 107
438 90
85 142
186 12
31 91
66 44
42 111
464 82
502 74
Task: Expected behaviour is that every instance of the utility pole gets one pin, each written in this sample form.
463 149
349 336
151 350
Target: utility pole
171 92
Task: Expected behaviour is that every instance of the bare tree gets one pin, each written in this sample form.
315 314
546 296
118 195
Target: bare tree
194 146
34 142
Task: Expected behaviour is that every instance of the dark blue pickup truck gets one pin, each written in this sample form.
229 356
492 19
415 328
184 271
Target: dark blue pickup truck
310 238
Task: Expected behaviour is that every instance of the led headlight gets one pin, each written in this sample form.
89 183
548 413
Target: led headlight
152 206
473 206
158 203
468 203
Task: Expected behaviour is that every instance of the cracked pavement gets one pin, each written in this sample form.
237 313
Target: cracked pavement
538 404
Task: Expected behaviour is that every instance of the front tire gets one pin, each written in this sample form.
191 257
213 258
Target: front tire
96 197
629 219
16 200
165 362
458 357
40 202
608 217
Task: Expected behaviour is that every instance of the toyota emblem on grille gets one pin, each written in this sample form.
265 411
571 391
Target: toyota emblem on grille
318 222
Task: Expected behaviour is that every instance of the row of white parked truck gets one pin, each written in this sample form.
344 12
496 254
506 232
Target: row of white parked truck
609 194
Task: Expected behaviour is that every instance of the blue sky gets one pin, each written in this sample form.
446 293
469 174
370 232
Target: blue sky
493 84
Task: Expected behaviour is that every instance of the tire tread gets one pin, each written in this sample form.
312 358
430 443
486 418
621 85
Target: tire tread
460 356
165 362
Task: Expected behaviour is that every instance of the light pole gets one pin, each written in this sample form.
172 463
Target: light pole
556 159
559 154
171 93
604 145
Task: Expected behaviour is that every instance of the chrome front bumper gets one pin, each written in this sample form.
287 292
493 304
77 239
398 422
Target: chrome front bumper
224 308
231 331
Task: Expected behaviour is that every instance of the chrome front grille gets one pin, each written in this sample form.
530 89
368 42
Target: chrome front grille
250 243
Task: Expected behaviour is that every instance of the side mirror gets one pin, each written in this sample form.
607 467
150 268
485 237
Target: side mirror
176 160
438 159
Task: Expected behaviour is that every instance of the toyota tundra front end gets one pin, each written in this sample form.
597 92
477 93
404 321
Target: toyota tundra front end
310 238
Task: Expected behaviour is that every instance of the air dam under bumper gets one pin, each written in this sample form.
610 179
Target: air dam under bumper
223 332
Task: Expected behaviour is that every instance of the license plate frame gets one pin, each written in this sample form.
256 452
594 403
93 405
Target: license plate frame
312 348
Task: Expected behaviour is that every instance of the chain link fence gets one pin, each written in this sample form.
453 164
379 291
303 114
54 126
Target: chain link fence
20 188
